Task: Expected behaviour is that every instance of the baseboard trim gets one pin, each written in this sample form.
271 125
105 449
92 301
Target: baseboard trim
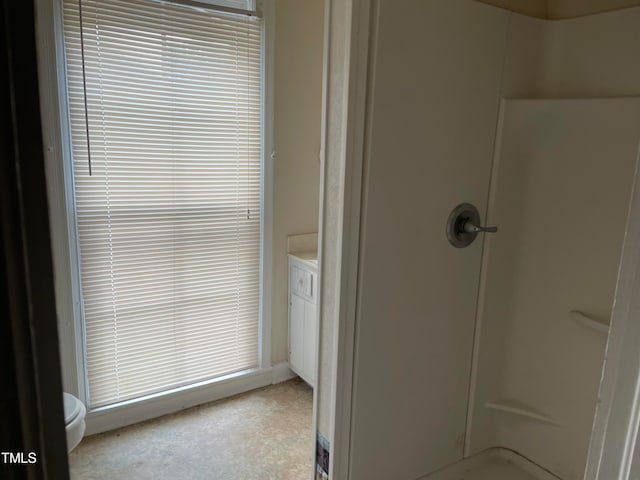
153 406
281 372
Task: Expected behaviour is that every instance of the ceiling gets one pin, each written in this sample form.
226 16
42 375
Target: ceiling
558 9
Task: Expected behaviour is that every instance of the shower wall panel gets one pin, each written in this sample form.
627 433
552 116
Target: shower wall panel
562 180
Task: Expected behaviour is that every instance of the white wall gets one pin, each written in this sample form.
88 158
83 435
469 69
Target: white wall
297 116
593 56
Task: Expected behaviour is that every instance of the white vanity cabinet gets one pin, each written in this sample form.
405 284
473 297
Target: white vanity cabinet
303 298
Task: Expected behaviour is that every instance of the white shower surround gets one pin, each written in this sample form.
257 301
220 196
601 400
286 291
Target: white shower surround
562 181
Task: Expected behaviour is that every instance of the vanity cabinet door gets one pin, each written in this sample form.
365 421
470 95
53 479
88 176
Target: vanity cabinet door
296 333
309 333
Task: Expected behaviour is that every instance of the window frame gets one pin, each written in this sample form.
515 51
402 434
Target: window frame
65 242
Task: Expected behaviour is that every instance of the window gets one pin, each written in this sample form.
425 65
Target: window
165 113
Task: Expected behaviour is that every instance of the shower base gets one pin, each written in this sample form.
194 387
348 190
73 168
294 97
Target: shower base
492 464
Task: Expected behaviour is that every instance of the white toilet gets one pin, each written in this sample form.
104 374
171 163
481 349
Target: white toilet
74 412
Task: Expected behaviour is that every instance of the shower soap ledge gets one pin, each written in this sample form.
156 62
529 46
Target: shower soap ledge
515 407
589 321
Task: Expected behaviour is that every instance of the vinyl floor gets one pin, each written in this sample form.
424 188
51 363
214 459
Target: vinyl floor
264 434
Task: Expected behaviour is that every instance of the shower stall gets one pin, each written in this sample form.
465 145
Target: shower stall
479 351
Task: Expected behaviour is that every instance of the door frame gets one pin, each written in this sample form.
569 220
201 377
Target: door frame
32 413
345 99
616 427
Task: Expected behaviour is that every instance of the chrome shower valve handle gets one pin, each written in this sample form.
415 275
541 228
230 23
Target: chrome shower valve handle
463 225
470 227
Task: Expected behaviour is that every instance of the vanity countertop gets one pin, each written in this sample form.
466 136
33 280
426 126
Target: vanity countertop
310 258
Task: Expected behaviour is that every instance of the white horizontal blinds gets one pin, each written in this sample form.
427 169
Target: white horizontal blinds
169 221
